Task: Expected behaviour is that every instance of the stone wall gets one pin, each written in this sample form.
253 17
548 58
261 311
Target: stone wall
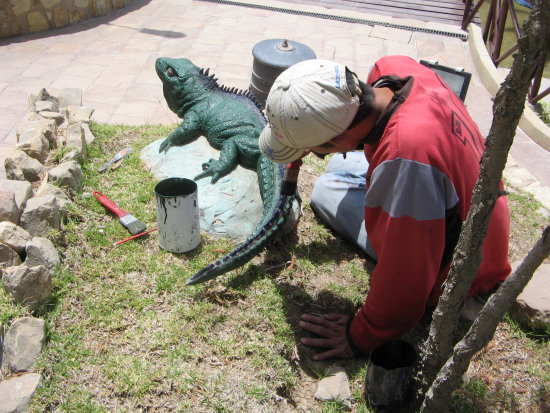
19 17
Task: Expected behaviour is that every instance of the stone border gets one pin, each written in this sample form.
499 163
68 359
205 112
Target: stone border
491 77
28 16
33 202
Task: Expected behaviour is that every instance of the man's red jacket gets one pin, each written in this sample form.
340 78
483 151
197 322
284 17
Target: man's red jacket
424 159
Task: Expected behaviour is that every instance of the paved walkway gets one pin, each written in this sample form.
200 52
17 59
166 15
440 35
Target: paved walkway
112 60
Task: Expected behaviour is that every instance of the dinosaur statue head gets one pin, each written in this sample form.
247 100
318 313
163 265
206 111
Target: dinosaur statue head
180 80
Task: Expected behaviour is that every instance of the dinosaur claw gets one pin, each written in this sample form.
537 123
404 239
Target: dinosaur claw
164 146
199 176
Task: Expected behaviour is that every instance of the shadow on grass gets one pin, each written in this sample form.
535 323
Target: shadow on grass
298 301
538 334
279 256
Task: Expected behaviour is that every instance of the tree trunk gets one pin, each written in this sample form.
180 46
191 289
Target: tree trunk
507 110
482 330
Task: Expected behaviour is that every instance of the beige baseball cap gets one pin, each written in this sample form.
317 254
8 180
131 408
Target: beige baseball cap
308 105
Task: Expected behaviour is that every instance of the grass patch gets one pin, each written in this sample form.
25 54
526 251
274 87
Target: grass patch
528 219
543 111
125 334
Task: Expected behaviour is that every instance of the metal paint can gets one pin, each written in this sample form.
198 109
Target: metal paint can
389 373
177 214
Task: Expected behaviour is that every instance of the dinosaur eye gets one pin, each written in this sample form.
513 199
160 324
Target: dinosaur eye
170 72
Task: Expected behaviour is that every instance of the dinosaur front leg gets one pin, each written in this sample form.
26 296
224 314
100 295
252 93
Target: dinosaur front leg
222 166
188 131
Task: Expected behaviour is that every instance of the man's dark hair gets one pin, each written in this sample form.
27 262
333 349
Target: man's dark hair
366 104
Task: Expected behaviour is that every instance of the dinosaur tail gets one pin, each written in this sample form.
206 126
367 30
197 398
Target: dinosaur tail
276 210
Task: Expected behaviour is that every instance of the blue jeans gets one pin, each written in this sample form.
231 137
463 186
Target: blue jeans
338 198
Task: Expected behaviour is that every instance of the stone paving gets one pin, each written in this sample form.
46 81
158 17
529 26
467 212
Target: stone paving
111 59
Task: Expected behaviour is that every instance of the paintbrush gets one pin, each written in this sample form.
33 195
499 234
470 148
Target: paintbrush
118 157
130 222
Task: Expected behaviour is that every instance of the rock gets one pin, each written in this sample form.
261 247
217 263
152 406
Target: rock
21 7
103 7
59 118
41 215
16 392
37 22
21 189
70 97
78 114
23 343
1 342
34 143
61 133
532 307
36 122
67 175
14 236
78 15
74 136
29 286
49 189
335 386
75 139
41 251
72 155
21 167
230 208
48 4
8 207
88 135
43 105
8 256
60 16
43 96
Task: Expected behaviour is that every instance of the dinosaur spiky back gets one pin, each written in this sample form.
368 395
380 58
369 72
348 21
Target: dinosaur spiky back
210 82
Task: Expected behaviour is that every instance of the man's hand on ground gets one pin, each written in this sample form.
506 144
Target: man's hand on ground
331 329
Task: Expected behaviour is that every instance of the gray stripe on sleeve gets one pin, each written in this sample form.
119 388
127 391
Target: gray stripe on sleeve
403 187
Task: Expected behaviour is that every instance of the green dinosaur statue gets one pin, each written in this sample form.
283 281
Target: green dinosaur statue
231 120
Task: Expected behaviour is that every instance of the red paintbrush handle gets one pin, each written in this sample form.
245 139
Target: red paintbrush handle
109 204
134 236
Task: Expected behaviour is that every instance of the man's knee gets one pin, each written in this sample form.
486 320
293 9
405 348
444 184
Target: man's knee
319 193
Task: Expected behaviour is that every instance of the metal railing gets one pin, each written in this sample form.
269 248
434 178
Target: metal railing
493 32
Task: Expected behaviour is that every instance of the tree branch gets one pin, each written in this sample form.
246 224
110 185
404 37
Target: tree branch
484 326
507 110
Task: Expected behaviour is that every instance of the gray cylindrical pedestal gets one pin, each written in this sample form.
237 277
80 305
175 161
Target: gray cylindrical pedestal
271 57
